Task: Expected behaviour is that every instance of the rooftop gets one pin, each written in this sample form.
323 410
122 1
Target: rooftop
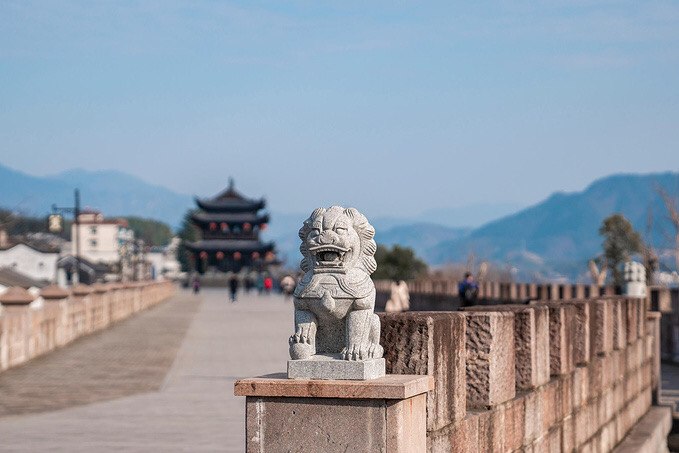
231 245
9 277
230 217
230 200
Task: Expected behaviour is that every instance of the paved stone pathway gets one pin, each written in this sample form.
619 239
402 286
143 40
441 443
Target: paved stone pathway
191 409
132 357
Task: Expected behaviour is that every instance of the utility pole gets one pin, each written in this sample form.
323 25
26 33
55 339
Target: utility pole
77 231
56 225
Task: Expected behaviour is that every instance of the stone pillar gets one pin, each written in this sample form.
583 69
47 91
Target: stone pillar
430 343
602 326
581 331
531 342
55 297
490 358
561 336
653 332
532 291
387 414
16 327
81 295
579 291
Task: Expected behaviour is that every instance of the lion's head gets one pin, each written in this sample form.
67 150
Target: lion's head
337 240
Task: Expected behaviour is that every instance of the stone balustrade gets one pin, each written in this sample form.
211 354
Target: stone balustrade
441 295
32 325
574 375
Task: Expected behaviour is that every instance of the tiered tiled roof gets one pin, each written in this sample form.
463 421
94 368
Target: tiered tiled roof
230 200
230 224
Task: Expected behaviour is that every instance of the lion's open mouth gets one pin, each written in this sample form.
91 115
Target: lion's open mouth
328 255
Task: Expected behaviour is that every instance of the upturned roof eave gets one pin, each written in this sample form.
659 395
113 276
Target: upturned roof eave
231 246
231 217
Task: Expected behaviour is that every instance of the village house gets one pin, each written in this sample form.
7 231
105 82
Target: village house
37 261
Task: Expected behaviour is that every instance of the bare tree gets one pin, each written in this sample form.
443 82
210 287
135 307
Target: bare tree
673 215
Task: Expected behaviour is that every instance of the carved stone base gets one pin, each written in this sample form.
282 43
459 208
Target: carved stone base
331 366
387 414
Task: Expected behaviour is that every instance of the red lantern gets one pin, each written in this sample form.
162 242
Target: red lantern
255 255
262 227
247 226
203 255
213 226
270 256
220 255
236 256
224 226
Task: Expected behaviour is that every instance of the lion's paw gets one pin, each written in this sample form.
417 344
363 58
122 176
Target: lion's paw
301 347
361 351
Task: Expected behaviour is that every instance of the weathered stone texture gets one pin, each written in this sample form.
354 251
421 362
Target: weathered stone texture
514 423
461 436
650 434
320 366
407 424
490 358
619 323
278 425
430 343
561 323
531 343
29 330
492 430
653 348
582 337
601 355
298 424
602 326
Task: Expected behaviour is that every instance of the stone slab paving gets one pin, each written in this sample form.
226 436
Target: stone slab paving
131 357
194 408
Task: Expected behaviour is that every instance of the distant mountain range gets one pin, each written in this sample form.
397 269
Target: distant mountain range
555 236
561 233
113 192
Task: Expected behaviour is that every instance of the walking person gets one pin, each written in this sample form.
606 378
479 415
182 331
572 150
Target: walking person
468 290
260 283
196 284
268 284
233 286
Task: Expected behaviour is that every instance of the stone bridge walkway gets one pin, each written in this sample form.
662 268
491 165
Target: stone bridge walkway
161 381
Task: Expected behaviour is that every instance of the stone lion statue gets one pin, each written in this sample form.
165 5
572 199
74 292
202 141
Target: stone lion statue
335 299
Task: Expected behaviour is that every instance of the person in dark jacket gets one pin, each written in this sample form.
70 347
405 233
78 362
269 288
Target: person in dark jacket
233 286
468 290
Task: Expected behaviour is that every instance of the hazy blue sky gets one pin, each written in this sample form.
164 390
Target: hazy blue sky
392 106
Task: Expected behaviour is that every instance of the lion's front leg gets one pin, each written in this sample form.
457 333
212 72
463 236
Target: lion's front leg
303 342
357 337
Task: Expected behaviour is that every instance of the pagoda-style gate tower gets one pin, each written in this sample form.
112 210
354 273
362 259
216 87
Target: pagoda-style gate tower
230 226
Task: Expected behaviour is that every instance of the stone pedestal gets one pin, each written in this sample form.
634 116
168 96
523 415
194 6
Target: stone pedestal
331 366
386 414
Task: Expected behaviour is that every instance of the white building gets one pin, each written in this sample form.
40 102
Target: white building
30 261
164 260
101 240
